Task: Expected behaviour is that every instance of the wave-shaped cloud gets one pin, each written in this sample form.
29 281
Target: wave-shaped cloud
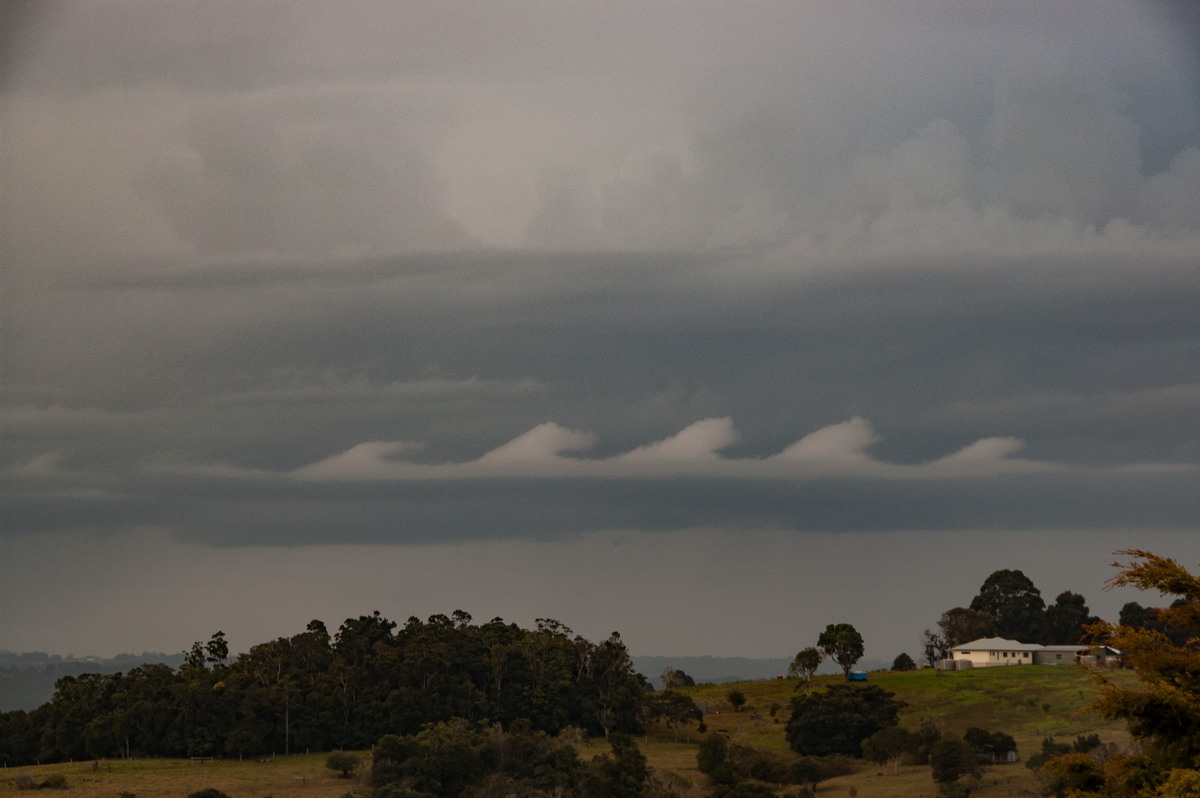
839 450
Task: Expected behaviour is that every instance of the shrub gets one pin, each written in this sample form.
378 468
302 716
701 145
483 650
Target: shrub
342 761
208 792
951 758
1073 772
743 790
1050 749
55 781
839 719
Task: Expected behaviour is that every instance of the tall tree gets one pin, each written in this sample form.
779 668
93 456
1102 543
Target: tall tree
1016 605
934 648
962 625
1067 619
842 643
615 688
805 665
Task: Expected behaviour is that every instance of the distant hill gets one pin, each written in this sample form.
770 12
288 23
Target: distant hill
27 679
721 670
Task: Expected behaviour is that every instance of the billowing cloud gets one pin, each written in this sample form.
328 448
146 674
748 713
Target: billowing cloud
285 276
837 451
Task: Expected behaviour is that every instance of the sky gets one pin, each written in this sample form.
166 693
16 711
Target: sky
710 323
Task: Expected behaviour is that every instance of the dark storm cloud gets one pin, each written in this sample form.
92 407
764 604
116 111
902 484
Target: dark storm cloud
461 511
513 276
937 357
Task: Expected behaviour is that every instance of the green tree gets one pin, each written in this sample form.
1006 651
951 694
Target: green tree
928 732
934 648
619 774
889 745
674 709
805 665
737 699
712 759
216 650
995 745
811 770
616 689
962 625
1015 603
1067 619
837 720
843 644
903 662
951 758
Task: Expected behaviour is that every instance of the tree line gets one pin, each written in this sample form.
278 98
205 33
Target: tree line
346 690
1010 606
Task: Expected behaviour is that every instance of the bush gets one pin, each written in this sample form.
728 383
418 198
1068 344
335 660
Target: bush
994 744
839 719
811 771
952 758
1073 772
342 761
208 792
1050 749
55 781
954 789
743 790
713 759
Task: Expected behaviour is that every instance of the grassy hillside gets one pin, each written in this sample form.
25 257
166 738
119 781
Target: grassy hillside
1027 702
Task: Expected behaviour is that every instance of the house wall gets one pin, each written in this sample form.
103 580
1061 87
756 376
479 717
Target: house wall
991 658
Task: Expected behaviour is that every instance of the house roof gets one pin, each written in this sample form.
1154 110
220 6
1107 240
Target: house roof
1003 644
998 643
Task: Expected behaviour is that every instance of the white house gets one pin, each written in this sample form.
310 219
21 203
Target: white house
990 652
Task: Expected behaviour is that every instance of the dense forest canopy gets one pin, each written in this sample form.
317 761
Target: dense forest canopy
317 691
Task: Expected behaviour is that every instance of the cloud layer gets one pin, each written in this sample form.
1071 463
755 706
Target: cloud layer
281 275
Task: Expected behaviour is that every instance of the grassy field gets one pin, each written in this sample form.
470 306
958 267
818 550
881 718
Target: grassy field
282 777
1029 703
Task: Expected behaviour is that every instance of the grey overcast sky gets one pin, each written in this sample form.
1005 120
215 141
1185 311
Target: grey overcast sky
712 323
